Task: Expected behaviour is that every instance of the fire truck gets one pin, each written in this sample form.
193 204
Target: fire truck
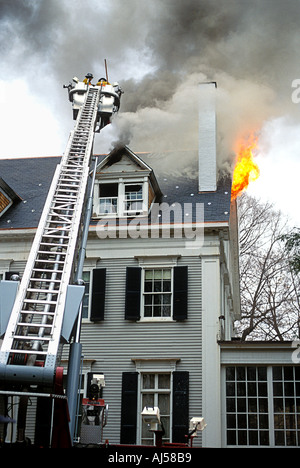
42 312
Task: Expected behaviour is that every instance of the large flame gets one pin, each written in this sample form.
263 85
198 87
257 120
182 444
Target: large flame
246 170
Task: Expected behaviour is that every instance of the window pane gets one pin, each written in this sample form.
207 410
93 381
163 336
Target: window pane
148 380
148 274
164 404
163 380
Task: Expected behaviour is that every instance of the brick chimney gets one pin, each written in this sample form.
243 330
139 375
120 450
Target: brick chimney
207 138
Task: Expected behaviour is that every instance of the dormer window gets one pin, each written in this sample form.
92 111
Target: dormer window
7 197
120 198
125 186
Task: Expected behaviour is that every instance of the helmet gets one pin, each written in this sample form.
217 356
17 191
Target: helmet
102 79
89 75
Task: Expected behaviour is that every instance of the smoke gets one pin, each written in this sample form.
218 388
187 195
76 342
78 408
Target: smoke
160 51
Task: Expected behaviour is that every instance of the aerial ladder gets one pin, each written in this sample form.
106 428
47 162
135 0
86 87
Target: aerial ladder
42 312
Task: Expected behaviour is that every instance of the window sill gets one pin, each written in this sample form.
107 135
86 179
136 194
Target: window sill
157 319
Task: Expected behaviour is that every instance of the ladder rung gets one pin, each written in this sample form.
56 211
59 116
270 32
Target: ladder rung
43 270
32 325
39 301
51 252
46 291
44 280
61 262
37 312
51 236
32 338
27 351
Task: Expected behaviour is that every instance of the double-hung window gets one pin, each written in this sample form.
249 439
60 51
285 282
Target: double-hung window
133 200
157 293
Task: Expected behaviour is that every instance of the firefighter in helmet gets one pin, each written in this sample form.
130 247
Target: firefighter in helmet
88 78
102 82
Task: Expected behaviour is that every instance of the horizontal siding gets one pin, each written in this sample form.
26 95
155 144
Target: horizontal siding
114 342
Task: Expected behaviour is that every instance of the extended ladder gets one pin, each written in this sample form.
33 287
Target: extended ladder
32 340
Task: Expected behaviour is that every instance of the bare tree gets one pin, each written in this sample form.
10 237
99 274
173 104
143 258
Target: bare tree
269 287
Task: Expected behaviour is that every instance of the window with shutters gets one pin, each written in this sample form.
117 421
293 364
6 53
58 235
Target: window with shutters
156 383
157 293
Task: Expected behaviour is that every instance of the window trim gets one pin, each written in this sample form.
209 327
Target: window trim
156 319
121 200
154 366
156 391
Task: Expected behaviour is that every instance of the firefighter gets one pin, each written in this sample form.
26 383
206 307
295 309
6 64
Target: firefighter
88 78
102 82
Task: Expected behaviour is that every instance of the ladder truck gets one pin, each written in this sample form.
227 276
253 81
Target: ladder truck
42 312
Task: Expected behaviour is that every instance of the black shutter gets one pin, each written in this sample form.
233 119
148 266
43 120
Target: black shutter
180 406
129 407
98 294
180 293
133 293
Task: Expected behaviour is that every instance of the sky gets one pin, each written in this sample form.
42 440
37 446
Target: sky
159 51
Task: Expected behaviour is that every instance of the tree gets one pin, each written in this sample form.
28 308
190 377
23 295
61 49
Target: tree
270 303
292 245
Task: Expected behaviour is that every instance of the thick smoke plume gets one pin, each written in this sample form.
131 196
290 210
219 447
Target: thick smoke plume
160 51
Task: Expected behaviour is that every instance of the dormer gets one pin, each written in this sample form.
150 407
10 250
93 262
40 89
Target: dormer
7 197
125 186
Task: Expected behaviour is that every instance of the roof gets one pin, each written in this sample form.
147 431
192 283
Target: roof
31 179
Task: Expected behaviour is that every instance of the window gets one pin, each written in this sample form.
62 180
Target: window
156 391
133 199
247 406
286 400
121 198
263 406
86 298
157 294
160 386
108 199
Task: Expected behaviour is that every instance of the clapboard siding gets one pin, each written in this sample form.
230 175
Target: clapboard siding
114 342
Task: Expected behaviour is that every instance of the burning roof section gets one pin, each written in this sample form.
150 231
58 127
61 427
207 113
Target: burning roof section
32 178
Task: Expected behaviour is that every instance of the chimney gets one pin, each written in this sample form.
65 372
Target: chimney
207 138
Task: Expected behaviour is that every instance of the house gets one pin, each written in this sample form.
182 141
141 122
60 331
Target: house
161 298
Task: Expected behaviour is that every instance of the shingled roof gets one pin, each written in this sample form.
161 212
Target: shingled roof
31 179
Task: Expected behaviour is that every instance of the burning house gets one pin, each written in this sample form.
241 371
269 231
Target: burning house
161 278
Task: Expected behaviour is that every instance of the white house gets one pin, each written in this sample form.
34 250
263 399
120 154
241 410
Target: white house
161 297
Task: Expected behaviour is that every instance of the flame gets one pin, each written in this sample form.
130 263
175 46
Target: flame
246 170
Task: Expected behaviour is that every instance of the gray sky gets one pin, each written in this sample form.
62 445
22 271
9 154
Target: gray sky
159 51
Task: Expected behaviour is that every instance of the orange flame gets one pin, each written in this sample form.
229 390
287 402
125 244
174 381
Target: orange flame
246 169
